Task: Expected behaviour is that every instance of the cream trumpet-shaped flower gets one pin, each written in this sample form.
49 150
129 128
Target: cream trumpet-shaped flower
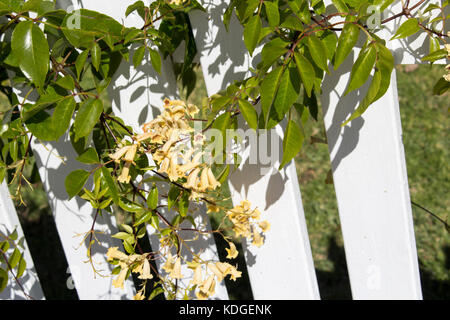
197 278
145 272
232 252
206 288
139 296
118 282
115 253
125 174
192 180
169 264
176 271
264 225
189 165
257 238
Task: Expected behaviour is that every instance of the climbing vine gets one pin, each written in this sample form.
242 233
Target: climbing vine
55 66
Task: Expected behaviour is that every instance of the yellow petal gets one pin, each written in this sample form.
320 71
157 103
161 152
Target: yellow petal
232 252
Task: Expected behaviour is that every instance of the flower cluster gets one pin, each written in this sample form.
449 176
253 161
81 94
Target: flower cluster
245 223
178 153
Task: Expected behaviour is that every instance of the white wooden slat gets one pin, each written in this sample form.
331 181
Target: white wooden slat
283 267
370 179
29 280
137 97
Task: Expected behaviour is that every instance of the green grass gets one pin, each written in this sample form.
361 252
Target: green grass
425 125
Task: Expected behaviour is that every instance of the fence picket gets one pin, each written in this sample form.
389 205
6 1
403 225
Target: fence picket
29 280
283 267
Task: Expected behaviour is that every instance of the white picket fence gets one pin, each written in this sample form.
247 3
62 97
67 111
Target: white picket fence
368 163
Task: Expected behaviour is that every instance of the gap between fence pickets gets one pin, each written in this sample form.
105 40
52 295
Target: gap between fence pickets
29 280
283 267
147 105
370 178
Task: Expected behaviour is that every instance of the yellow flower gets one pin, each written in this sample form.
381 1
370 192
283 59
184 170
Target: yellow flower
116 156
207 288
139 296
125 174
115 253
232 252
145 272
264 225
168 266
257 238
197 279
219 274
212 180
212 208
176 271
192 179
118 282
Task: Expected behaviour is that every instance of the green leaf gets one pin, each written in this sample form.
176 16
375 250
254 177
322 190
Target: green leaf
133 7
130 206
306 71
66 82
80 61
249 113
292 143
368 99
409 27
385 64
144 218
152 199
90 156
87 117
183 204
75 181
318 52
30 47
269 87
441 87
362 68
272 51
14 258
340 5
347 41
62 115
287 94
21 267
436 55
273 15
3 279
111 184
251 33
293 23
155 58
96 54
138 56
174 192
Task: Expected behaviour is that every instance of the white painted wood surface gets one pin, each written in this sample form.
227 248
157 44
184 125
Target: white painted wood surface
137 97
283 267
29 280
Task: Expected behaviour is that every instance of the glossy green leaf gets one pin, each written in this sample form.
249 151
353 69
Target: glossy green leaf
346 43
155 58
89 156
96 54
30 46
80 61
362 68
248 111
138 56
66 82
111 184
292 143
287 94
251 33
14 258
408 28
318 52
152 199
3 279
306 71
87 117
75 181
273 15
368 99
269 87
